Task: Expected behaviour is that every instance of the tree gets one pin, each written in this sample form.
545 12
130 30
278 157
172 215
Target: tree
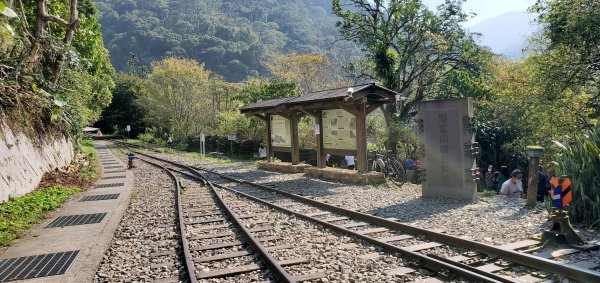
569 49
234 38
124 109
410 49
263 89
518 113
310 72
55 55
176 96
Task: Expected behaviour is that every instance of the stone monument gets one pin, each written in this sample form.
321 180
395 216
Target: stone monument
447 135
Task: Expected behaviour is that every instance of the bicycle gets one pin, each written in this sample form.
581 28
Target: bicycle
389 166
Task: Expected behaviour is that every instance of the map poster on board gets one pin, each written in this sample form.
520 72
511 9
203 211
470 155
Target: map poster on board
339 129
281 131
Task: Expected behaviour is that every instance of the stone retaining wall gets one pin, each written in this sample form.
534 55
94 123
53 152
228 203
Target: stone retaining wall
23 162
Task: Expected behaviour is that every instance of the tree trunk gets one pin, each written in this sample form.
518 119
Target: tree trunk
71 28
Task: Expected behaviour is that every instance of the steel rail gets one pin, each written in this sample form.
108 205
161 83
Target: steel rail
189 264
277 270
426 261
567 270
274 266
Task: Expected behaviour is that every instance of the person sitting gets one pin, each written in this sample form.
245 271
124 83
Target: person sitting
543 186
350 162
489 177
502 177
513 187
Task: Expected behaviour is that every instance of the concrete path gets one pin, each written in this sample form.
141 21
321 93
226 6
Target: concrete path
50 249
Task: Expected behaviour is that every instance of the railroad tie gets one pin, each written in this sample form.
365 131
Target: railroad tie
245 268
399 271
352 225
395 238
373 231
222 256
423 246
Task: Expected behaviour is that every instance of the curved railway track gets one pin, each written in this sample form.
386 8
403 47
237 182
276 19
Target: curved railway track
473 261
213 205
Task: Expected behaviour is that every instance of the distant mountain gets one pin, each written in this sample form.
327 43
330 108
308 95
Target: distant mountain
234 38
506 34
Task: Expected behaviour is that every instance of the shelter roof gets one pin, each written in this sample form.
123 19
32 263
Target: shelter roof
267 103
328 94
371 91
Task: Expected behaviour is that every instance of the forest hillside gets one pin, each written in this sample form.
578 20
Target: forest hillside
234 38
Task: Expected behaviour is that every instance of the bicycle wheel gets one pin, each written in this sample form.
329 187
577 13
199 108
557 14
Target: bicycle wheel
399 173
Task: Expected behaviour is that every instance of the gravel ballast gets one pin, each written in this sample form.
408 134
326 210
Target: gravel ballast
147 227
492 220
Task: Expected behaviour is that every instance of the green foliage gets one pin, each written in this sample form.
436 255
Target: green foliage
123 109
580 160
152 137
570 47
177 98
232 37
518 113
488 193
263 89
87 170
74 79
244 127
18 214
414 51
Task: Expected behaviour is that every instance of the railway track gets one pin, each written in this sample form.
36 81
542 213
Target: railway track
216 247
472 260
204 206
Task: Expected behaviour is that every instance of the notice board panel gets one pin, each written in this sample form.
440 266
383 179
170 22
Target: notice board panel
281 133
339 129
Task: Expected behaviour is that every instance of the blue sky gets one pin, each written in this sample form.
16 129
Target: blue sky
486 9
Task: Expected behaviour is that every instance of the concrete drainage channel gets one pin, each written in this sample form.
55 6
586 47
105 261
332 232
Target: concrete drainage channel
477 258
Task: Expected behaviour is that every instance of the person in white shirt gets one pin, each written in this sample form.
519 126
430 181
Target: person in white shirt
262 152
513 187
350 162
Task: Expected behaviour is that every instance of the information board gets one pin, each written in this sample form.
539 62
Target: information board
339 129
281 133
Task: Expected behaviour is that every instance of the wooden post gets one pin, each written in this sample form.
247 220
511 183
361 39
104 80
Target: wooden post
361 138
269 147
320 152
295 143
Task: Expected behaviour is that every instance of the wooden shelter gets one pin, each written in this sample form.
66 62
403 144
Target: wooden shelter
340 116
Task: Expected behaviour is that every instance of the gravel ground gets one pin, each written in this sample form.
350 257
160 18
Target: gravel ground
340 257
493 220
148 226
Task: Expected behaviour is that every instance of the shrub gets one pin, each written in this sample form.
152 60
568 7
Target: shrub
18 214
580 161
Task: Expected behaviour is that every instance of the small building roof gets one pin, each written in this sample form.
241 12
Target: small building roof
90 129
371 91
